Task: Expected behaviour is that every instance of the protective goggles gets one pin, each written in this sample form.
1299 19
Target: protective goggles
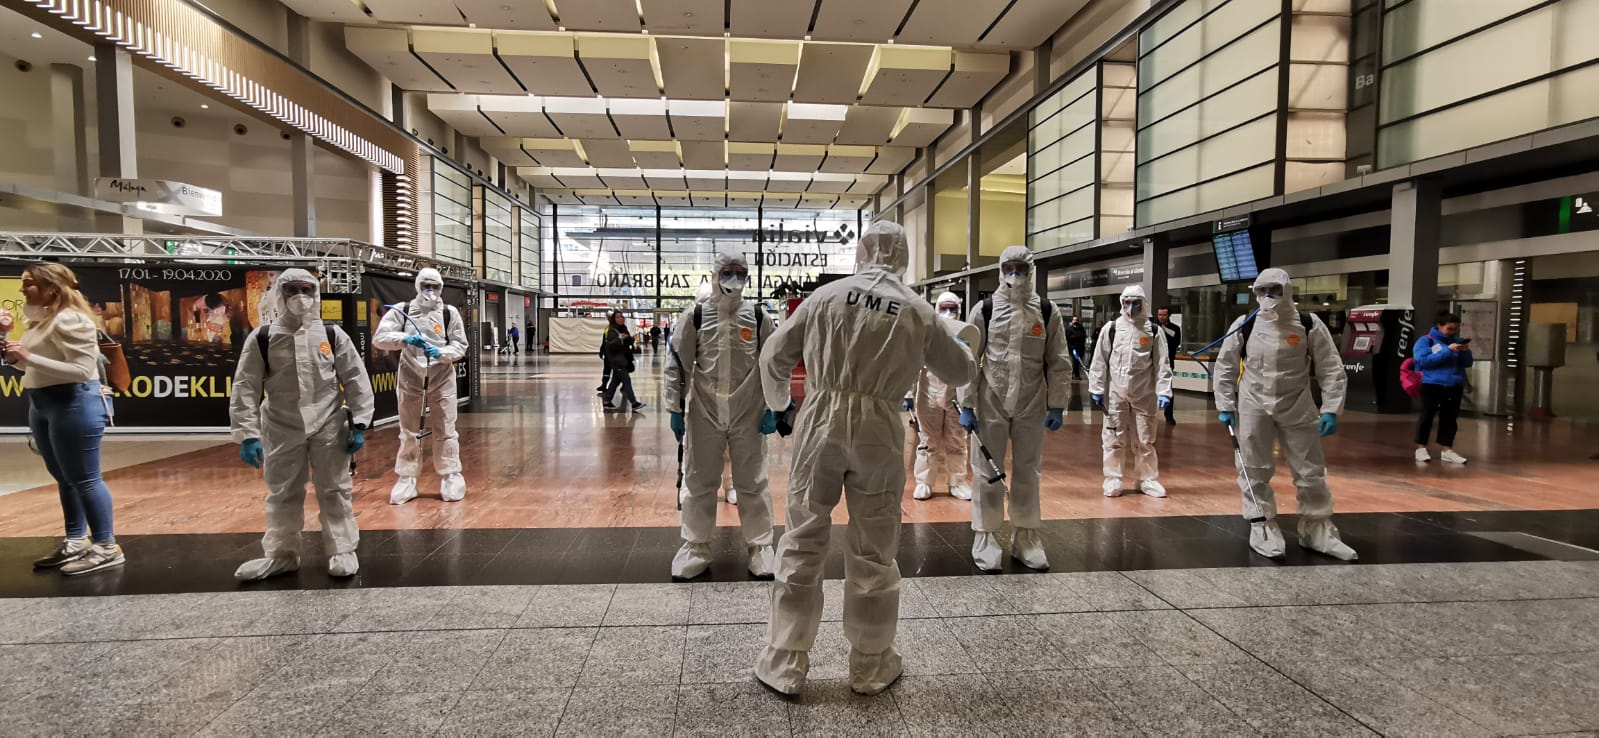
295 289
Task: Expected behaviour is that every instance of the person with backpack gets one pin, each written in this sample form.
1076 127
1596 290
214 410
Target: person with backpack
301 403
430 337
942 439
59 357
1021 389
713 393
1442 357
1282 351
1131 353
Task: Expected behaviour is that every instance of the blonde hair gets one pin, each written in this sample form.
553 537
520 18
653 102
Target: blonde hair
61 279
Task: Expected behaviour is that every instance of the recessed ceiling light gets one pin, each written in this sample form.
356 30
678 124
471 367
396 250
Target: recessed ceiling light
204 106
36 34
92 59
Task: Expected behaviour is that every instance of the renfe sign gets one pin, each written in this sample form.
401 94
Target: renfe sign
160 195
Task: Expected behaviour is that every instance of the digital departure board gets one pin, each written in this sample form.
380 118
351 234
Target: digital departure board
1236 256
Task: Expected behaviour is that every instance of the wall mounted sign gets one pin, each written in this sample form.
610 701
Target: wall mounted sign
160 195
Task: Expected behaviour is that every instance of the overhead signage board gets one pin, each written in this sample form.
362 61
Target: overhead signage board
160 195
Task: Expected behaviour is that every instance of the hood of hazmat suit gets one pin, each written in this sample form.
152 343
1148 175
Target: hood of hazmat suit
1026 365
1281 361
863 339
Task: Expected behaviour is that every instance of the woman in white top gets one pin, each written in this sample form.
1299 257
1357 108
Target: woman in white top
59 356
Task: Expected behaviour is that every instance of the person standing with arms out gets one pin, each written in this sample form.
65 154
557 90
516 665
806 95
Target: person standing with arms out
863 339
713 392
1174 341
943 440
1131 378
430 337
1280 347
616 347
301 403
1077 342
59 356
1442 357
514 338
1021 389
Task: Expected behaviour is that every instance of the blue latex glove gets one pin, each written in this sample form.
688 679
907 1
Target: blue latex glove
1055 419
1328 424
250 452
1098 400
1163 402
969 419
415 340
909 404
1227 419
677 426
431 350
768 423
357 440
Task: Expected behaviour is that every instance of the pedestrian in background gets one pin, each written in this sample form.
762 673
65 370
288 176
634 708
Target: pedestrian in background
59 356
616 348
515 338
1077 342
1174 340
1442 357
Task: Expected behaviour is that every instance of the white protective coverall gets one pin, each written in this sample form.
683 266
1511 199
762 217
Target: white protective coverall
1272 401
425 317
942 440
1130 376
712 380
863 340
297 411
1026 371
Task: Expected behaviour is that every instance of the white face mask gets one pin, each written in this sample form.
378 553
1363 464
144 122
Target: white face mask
1011 280
300 306
733 285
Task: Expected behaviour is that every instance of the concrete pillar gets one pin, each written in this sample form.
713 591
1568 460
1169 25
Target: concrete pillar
119 156
69 138
1041 75
1157 258
1413 248
302 149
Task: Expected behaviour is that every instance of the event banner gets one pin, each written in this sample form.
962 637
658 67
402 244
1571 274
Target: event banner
378 292
181 328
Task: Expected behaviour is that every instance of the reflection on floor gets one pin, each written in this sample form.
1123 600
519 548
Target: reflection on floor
539 453
1423 649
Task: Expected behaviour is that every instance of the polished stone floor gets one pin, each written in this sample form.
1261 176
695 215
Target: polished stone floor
1504 648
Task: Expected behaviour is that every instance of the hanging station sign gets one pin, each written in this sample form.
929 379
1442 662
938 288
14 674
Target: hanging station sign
160 195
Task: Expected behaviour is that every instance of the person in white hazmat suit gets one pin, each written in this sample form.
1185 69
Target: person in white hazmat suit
701 294
430 337
863 340
1130 378
713 392
1021 389
942 440
299 408
1282 353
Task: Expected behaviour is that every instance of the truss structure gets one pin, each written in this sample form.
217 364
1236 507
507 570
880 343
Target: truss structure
340 261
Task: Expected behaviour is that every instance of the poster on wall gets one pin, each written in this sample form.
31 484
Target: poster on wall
379 292
181 329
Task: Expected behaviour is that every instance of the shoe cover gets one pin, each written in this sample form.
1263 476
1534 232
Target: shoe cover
1028 547
691 560
452 488
781 670
762 562
732 496
872 673
404 491
922 492
986 552
1152 488
343 565
1113 487
960 491
1266 539
255 569
1321 536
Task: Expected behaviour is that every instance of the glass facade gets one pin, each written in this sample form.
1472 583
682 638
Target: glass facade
529 262
1062 165
497 235
452 214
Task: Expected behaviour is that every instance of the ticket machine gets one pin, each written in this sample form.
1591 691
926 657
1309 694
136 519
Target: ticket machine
1376 341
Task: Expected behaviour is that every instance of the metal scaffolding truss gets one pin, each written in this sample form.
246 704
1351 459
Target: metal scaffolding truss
340 261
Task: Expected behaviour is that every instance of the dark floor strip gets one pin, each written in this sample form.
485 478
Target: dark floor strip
413 558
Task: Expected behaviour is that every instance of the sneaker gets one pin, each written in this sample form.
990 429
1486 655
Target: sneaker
1450 457
1422 456
99 556
612 408
68 550
637 406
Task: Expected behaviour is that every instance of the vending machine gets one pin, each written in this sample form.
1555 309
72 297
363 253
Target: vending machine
1376 341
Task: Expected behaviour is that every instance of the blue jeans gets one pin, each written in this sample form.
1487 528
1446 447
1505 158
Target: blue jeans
67 421
620 380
